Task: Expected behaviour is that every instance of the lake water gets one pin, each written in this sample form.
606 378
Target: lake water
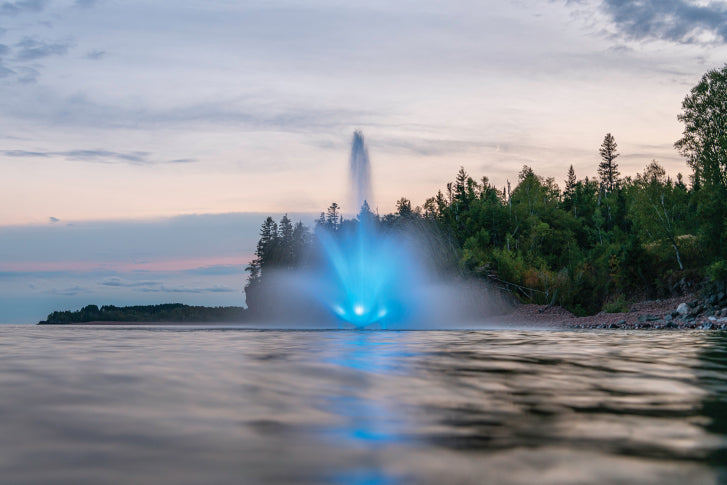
173 405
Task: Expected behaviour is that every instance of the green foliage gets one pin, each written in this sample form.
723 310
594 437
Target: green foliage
169 312
704 145
589 247
717 271
617 306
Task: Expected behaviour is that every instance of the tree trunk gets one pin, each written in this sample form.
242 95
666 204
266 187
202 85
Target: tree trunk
679 258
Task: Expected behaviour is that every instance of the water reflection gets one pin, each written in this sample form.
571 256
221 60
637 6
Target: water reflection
366 421
184 406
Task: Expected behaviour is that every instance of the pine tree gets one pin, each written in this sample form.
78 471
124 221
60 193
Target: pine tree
570 185
266 246
608 168
285 236
333 219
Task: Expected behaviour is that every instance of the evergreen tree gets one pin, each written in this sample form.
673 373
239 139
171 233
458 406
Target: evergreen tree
403 208
608 168
570 185
333 219
285 238
266 246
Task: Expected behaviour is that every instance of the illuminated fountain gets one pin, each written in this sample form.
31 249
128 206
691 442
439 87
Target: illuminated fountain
369 278
362 274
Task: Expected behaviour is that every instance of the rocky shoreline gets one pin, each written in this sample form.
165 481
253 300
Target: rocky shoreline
685 312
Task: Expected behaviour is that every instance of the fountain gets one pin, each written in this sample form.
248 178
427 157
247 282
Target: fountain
363 274
368 276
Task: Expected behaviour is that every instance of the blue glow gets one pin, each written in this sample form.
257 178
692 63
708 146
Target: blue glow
368 275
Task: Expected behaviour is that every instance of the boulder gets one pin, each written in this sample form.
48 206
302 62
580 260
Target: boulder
683 309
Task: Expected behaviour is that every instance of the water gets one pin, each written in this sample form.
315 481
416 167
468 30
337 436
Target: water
360 171
365 275
185 406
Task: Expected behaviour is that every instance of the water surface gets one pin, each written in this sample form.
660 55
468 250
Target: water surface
187 405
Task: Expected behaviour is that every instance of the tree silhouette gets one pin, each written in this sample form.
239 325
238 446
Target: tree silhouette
607 168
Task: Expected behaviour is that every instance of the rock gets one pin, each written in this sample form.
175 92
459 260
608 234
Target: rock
683 309
668 318
720 296
614 325
693 303
707 326
712 319
621 322
711 300
671 325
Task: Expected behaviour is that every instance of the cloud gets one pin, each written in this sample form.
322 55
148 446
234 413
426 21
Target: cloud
53 220
679 21
184 289
86 3
71 291
27 75
159 287
24 153
32 49
98 156
220 269
95 54
432 147
15 8
119 283
5 71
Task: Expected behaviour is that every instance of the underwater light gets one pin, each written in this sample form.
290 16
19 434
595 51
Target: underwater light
358 310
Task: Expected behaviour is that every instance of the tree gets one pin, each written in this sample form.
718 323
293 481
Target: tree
570 186
333 219
608 168
403 208
266 246
658 207
285 237
704 141
704 145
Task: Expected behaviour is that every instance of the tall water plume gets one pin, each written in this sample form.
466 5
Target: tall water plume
360 170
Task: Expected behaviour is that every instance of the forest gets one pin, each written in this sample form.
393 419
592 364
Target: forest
596 244
167 312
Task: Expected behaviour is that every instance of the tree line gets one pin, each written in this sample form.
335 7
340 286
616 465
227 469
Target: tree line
167 312
593 245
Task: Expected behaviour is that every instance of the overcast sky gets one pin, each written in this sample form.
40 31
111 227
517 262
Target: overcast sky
112 111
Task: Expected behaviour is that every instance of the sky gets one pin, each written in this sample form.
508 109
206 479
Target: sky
143 143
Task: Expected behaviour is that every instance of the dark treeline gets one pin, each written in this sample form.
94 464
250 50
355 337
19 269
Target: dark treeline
284 245
593 245
169 312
